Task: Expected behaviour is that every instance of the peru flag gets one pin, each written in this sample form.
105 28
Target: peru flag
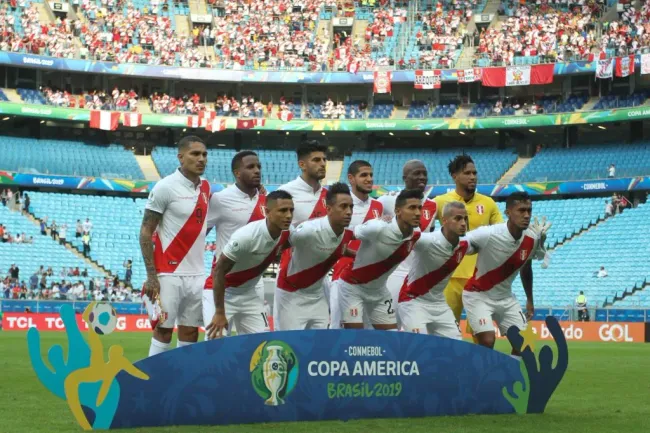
215 125
625 66
132 119
285 116
106 120
193 121
382 83
207 115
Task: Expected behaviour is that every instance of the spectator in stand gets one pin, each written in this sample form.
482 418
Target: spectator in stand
14 273
609 208
63 232
33 281
85 239
54 230
43 226
87 226
2 233
78 229
611 171
26 203
602 273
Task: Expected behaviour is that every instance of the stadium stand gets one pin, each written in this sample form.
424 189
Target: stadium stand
387 164
47 156
42 251
587 162
619 244
279 165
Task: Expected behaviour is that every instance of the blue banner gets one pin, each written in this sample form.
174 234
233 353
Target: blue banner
297 376
257 76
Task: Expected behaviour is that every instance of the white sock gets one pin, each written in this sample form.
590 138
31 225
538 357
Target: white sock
180 343
157 347
517 357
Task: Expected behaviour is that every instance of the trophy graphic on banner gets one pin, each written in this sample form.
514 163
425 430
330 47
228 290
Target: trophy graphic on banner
275 374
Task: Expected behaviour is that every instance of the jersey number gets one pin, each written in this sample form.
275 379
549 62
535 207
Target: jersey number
389 303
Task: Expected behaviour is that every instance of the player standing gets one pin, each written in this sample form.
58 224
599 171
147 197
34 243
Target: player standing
415 176
242 261
172 240
503 251
230 210
360 178
384 245
422 305
481 211
317 245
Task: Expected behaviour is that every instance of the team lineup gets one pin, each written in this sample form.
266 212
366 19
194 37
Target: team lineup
390 270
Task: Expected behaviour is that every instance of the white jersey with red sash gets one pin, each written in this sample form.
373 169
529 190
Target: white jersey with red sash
363 211
316 248
179 240
382 249
500 257
230 210
434 261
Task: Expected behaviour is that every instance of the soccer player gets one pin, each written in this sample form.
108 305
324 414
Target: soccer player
481 211
415 176
172 239
230 210
503 251
301 301
360 178
384 245
241 264
422 305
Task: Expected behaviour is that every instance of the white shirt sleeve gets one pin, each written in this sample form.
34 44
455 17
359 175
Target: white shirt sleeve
300 234
470 248
159 198
479 238
236 247
214 208
425 242
369 229
388 201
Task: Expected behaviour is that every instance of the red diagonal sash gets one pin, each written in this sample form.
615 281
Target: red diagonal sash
373 271
319 208
423 284
168 260
428 213
236 279
375 211
308 277
499 274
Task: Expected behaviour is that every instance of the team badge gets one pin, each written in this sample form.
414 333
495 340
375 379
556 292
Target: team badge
354 312
205 197
523 254
459 256
375 213
427 214
263 211
324 203
409 246
480 209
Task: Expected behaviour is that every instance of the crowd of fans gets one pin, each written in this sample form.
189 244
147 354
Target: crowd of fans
630 33
117 99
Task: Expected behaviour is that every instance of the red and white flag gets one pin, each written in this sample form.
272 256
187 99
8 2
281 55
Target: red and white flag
106 120
353 67
285 116
132 119
207 115
215 125
382 82
645 64
625 66
468 75
260 122
427 79
193 121
605 68
517 75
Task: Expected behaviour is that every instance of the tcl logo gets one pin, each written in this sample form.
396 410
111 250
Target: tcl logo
614 332
19 323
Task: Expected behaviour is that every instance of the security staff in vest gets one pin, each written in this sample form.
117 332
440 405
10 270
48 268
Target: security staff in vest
581 305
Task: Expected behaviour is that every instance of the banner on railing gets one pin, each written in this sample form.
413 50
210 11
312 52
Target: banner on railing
427 79
625 66
382 83
645 64
525 75
605 69
469 75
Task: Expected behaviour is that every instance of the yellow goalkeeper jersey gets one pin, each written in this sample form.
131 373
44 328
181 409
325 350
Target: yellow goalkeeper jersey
482 211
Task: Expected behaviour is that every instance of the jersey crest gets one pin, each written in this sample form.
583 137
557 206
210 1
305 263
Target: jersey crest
480 209
428 212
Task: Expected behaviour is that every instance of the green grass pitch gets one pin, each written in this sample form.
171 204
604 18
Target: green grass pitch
606 389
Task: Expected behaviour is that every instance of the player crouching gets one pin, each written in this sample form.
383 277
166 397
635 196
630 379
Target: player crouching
246 256
503 251
422 305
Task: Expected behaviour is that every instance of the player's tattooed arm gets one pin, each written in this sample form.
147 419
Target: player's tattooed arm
150 222
527 281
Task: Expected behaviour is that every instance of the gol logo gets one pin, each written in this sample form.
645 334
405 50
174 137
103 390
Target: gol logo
614 333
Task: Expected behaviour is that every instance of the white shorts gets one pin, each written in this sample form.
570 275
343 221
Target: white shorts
335 309
294 311
356 301
482 310
426 317
394 285
244 310
180 298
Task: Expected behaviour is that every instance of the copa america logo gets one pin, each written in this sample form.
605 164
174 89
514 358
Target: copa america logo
274 371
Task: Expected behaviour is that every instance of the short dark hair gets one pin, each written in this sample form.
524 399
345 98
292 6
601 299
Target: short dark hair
459 163
516 197
310 146
278 194
185 142
239 157
334 190
357 165
407 194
